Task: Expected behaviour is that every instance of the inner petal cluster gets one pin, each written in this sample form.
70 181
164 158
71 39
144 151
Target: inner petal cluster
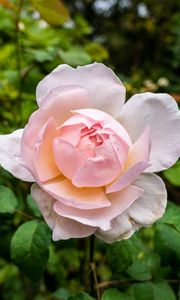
90 152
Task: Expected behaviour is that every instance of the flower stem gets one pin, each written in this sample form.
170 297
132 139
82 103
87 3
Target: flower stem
91 281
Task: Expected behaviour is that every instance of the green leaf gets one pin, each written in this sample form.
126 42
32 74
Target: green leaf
54 11
81 296
8 200
121 254
7 271
61 294
33 206
40 55
167 241
114 294
30 248
151 291
171 216
75 56
144 268
173 174
97 51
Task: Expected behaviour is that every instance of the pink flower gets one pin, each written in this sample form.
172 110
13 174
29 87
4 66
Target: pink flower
91 157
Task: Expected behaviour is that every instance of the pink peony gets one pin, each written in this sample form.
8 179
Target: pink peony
91 157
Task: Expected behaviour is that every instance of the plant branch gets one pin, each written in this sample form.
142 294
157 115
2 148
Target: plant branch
105 284
95 285
19 4
23 214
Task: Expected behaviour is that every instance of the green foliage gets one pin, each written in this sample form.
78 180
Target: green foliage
75 56
81 296
145 267
168 241
29 248
151 291
113 294
8 201
54 11
173 174
121 255
171 217
167 236
62 294
33 207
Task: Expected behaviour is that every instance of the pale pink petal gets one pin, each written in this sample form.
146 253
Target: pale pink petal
159 112
72 133
101 217
106 120
121 149
140 150
151 206
67 157
122 229
106 91
66 228
10 155
45 203
143 212
99 170
44 163
84 198
78 119
137 162
63 228
128 177
59 108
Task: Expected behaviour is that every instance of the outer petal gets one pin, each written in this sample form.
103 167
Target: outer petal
62 228
106 91
143 212
127 178
137 162
59 107
44 163
45 203
10 152
84 198
66 228
101 217
161 113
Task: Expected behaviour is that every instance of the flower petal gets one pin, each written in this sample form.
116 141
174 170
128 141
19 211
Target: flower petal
122 229
45 203
99 170
101 217
67 157
59 108
159 112
105 90
84 198
44 163
151 206
138 161
107 120
66 228
140 150
63 228
10 155
143 212
127 177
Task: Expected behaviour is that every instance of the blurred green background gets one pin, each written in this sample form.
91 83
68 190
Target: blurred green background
140 41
